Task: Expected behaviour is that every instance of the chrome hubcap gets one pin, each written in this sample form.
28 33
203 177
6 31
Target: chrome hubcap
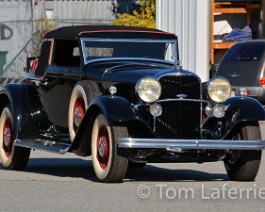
77 117
7 136
101 147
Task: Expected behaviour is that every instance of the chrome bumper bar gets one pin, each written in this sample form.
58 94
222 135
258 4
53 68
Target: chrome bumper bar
157 143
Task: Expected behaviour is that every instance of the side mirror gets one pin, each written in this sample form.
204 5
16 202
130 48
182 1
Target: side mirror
32 64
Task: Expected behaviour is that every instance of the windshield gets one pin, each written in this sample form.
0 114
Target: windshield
143 49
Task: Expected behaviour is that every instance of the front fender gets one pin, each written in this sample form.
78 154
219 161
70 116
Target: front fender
240 110
248 109
29 115
116 109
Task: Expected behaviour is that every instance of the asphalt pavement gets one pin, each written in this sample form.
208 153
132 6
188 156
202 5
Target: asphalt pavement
67 183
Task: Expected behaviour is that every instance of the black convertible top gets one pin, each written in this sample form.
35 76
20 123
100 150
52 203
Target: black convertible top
74 32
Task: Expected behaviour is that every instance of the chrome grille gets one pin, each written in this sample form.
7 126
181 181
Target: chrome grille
174 85
180 119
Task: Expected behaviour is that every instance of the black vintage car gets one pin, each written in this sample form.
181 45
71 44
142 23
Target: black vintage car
120 95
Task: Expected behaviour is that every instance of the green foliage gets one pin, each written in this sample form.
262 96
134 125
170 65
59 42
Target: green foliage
145 17
44 26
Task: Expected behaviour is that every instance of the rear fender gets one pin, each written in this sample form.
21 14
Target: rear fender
29 116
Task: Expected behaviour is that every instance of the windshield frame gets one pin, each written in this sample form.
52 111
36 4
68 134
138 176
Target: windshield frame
131 40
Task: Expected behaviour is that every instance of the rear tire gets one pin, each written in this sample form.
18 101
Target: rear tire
243 165
83 93
109 163
12 157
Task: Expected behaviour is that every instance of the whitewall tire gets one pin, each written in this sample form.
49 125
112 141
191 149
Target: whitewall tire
12 157
109 163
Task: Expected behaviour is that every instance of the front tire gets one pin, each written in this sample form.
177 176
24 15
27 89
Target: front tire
109 163
12 157
243 165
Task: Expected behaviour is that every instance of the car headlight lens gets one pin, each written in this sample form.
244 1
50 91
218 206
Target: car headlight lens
148 89
156 110
218 111
219 89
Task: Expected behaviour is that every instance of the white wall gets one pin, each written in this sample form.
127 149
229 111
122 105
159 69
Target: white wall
83 12
189 20
15 31
16 19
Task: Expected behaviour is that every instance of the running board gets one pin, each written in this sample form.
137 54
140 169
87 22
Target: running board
43 145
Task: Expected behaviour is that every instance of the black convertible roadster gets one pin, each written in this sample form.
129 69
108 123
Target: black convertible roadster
120 95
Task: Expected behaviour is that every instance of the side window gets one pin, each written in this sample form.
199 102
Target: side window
44 58
66 53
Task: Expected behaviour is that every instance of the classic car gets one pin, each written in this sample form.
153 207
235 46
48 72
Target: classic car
244 66
120 95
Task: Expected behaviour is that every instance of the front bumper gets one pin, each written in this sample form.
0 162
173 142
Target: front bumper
150 143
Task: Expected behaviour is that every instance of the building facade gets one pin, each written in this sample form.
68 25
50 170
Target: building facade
201 26
189 19
24 22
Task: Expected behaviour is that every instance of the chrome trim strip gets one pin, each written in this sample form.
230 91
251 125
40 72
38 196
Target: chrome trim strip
167 66
129 40
140 104
182 100
159 143
129 59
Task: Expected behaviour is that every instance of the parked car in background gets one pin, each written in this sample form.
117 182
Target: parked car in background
120 95
244 66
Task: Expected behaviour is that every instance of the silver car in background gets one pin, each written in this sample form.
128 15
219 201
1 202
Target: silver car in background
244 66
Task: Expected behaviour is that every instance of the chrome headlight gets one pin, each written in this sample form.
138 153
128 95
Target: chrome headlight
156 110
219 89
148 89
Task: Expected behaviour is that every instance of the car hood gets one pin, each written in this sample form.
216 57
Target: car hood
127 71
132 75
130 72
125 76
126 80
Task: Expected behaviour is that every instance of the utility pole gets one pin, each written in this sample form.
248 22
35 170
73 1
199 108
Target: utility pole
32 25
262 19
